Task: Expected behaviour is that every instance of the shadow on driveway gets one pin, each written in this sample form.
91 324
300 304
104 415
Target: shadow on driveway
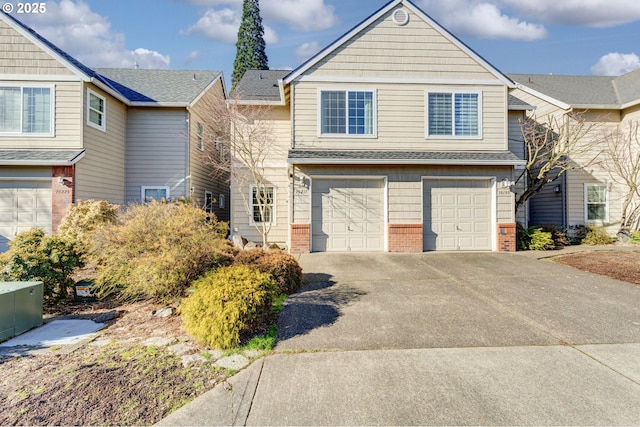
318 303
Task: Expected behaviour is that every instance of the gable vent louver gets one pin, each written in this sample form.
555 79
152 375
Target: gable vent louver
400 16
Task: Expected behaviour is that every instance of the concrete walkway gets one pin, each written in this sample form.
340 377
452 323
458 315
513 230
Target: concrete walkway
441 339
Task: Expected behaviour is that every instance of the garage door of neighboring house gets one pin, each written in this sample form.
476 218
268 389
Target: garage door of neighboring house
457 214
347 215
23 204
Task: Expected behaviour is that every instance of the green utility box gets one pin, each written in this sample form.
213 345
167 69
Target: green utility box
20 307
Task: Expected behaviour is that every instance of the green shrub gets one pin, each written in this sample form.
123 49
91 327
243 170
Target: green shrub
84 218
533 238
156 250
50 259
227 303
597 236
283 268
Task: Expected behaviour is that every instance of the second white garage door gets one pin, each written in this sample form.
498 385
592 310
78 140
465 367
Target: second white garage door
457 215
347 215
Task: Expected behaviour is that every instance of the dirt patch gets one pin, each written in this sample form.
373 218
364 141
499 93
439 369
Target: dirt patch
122 381
621 265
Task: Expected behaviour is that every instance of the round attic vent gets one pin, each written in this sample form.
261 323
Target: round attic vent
400 17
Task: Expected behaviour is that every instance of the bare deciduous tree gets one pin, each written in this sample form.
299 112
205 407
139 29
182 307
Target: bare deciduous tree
623 163
550 150
242 135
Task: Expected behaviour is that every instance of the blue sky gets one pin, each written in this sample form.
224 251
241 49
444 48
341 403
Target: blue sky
580 37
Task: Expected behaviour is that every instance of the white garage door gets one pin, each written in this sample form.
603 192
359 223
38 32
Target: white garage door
347 215
23 205
457 215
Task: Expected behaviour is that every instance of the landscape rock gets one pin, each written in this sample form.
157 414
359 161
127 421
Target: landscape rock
105 317
163 312
235 362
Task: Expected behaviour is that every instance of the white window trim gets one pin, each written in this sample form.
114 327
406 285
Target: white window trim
347 90
599 222
52 110
144 188
273 208
89 109
453 94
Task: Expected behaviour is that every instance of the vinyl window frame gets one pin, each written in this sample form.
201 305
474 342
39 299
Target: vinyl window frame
597 221
347 91
103 113
52 108
253 206
453 94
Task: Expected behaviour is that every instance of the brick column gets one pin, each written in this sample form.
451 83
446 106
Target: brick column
405 237
62 193
506 237
300 238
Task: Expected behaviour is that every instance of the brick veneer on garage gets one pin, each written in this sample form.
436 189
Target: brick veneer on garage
506 237
62 193
405 237
300 238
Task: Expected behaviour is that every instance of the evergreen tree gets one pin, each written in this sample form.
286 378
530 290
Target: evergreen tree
250 48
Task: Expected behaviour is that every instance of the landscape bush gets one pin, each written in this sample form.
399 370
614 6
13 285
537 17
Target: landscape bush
533 238
84 218
34 256
156 250
597 236
227 303
283 267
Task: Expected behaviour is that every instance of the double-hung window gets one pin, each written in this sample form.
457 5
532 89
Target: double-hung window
262 204
596 203
454 114
347 112
96 110
26 110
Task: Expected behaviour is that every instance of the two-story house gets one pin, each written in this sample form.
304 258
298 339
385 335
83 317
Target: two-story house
69 132
396 138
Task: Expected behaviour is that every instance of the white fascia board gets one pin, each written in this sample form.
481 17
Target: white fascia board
331 161
547 98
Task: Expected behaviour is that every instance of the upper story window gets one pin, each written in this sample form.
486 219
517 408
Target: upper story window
454 114
347 112
596 200
96 110
26 110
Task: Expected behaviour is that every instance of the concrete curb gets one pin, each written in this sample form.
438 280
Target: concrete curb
227 404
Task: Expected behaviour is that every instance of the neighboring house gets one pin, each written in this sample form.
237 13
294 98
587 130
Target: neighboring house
589 195
68 133
396 138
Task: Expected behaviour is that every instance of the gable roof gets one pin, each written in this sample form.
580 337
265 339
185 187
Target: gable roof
261 86
601 92
377 15
161 87
131 86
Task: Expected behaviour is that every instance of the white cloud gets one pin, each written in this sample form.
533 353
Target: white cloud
222 25
87 36
301 15
616 64
594 13
481 19
307 50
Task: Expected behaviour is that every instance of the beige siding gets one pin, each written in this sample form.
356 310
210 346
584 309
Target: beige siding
401 118
415 50
240 193
100 175
18 55
67 119
404 185
204 176
156 151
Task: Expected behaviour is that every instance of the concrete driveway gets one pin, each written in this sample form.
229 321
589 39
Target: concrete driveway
442 339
